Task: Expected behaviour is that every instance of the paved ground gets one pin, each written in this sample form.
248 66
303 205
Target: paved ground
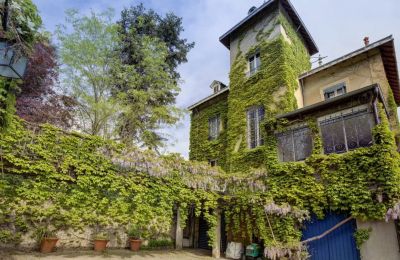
111 255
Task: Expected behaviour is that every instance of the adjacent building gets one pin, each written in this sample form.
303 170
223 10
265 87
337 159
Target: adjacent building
271 82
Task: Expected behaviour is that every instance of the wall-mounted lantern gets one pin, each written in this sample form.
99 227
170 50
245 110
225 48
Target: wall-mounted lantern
12 65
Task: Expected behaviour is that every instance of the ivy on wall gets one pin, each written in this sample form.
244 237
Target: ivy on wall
206 149
50 179
364 183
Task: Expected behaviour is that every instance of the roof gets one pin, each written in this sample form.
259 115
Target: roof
259 12
208 98
388 53
332 101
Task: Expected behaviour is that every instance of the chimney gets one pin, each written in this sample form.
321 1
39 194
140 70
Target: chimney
366 40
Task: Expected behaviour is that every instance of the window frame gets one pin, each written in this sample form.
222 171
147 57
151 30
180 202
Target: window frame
292 131
256 60
334 91
213 161
259 116
211 135
341 117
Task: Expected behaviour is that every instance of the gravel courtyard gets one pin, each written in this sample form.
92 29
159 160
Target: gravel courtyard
110 255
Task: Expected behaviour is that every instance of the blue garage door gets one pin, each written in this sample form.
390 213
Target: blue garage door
338 245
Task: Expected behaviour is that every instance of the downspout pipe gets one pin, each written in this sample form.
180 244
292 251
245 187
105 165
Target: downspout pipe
378 95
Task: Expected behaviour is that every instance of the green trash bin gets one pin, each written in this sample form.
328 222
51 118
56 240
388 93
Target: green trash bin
253 250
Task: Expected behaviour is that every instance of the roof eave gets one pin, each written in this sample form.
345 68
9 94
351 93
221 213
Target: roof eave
289 8
208 98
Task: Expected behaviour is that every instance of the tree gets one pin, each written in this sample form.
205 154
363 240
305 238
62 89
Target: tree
38 101
147 92
87 53
167 29
151 48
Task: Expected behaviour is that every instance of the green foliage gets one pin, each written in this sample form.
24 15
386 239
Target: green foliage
362 235
87 53
201 148
277 197
52 180
160 243
150 48
7 101
146 92
23 24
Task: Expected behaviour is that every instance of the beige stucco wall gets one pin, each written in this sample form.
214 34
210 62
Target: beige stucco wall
382 243
359 72
247 39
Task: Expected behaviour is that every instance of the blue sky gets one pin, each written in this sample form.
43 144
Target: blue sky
337 27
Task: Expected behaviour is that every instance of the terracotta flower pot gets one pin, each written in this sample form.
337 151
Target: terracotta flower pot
100 245
135 244
48 244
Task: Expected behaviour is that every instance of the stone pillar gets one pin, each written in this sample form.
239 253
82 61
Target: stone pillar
178 232
216 249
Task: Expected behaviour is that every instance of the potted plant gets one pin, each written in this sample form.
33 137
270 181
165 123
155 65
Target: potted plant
48 240
100 242
135 241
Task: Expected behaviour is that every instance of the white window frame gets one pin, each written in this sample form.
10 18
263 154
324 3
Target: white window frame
258 118
256 60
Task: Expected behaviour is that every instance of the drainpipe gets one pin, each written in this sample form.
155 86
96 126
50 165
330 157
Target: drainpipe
374 104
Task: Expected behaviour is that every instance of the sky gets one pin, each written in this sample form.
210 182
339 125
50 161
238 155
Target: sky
338 27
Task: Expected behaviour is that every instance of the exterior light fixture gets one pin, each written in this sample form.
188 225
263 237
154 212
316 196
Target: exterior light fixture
12 65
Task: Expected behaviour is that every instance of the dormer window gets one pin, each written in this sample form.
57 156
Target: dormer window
217 86
254 63
337 90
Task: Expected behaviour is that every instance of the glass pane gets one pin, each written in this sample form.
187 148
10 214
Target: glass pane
333 136
261 113
258 60
285 147
213 128
359 130
251 117
302 143
252 64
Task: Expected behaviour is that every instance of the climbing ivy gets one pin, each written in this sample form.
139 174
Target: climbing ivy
364 183
206 149
50 179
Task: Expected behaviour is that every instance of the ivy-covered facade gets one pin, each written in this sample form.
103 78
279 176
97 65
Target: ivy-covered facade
320 140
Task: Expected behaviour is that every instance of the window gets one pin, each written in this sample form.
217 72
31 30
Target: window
335 91
254 116
347 130
213 127
212 163
294 144
254 64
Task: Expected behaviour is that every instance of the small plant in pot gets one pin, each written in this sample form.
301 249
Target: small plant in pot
135 240
48 240
100 242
